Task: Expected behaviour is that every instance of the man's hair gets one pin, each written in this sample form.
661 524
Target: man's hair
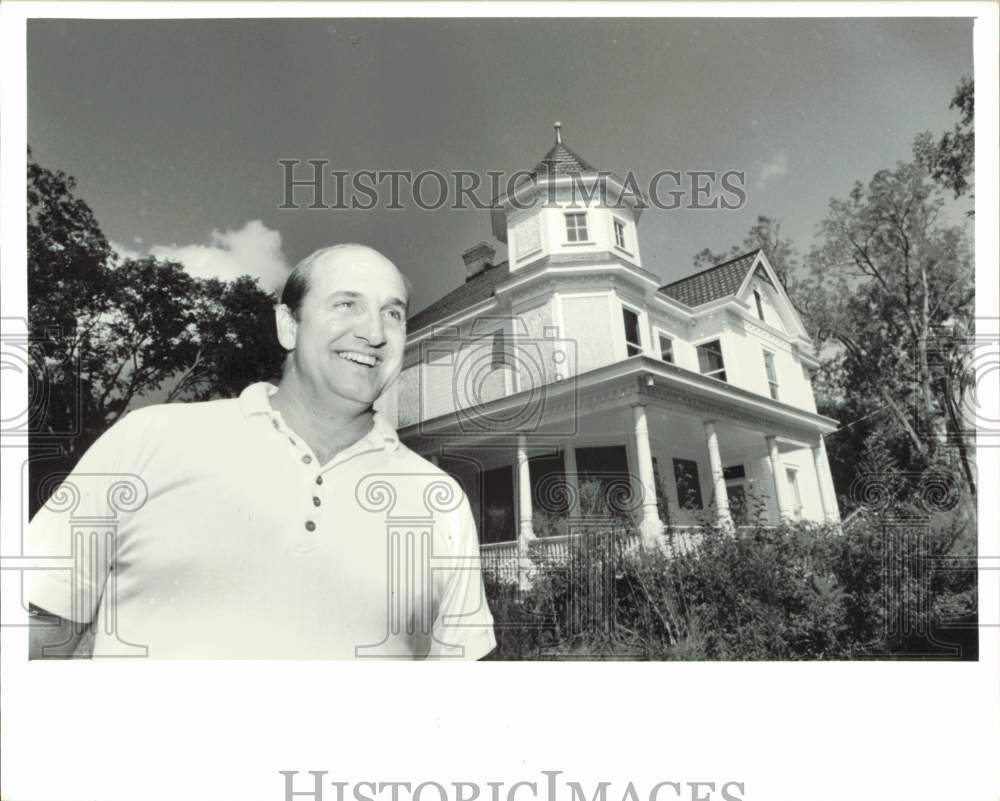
297 283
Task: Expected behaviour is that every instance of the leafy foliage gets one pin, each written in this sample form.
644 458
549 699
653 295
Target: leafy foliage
108 333
951 159
801 591
890 295
764 234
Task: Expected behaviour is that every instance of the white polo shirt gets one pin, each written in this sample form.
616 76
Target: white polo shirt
225 538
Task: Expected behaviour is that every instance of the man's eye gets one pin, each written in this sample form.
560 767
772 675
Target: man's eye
347 304
396 314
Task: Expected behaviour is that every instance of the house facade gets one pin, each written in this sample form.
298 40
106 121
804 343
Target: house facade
569 367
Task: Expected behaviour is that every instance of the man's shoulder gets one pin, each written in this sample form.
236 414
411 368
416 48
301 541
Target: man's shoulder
409 459
173 421
184 411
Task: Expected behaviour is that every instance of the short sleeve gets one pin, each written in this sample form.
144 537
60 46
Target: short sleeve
77 528
463 627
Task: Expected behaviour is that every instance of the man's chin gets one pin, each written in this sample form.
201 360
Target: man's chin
362 396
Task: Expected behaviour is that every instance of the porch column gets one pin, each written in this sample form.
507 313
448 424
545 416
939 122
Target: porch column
826 495
572 480
718 478
651 527
778 470
526 530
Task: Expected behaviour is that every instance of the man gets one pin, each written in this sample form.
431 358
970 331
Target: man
255 527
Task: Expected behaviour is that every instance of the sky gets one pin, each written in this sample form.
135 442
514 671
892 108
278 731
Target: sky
174 128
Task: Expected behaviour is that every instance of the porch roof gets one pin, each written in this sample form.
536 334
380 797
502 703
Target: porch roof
639 379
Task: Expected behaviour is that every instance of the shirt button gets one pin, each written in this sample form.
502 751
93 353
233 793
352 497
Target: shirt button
319 479
310 526
307 459
316 501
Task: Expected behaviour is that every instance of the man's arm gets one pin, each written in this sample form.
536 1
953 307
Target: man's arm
54 637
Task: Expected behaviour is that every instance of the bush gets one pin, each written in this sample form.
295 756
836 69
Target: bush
797 591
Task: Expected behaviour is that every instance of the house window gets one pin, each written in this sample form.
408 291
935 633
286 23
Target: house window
735 478
499 355
792 474
772 375
760 303
688 486
633 342
605 483
576 227
549 490
619 227
710 360
666 349
498 511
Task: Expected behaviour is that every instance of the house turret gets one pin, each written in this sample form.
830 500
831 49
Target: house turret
567 209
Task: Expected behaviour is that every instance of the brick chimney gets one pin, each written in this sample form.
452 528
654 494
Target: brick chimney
478 258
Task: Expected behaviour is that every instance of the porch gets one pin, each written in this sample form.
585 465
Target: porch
640 443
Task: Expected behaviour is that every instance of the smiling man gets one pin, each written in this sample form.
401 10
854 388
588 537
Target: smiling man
243 527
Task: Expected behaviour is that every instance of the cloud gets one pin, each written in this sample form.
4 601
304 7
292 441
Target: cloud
253 250
775 167
124 251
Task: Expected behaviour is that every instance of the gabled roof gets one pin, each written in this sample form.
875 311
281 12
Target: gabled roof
711 284
475 290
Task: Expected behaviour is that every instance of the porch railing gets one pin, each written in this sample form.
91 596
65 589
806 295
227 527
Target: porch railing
501 559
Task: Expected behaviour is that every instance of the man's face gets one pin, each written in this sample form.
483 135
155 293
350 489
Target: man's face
349 337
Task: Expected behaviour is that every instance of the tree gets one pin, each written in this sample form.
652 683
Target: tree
107 334
891 289
765 234
951 159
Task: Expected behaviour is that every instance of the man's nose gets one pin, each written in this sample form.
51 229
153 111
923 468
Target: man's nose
371 329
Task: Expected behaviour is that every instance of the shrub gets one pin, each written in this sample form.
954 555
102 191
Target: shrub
796 591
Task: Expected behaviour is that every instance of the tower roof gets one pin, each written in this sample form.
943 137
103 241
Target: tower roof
560 160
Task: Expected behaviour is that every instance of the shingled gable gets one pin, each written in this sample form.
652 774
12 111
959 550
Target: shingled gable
716 282
477 289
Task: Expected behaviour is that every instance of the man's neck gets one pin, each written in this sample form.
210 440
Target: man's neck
327 428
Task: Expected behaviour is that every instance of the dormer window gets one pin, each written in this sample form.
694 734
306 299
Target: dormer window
760 303
619 227
576 227
710 360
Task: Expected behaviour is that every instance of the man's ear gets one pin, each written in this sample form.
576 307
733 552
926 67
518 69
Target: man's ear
287 326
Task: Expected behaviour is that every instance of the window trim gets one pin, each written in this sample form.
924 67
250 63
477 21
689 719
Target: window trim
794 488
674 459
759 302
722 352
586 228
773 384
660 336
643 324
623 247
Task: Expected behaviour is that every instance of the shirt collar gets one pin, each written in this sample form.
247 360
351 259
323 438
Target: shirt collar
254 400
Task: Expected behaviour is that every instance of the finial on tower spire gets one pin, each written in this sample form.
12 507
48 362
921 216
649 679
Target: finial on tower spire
558 127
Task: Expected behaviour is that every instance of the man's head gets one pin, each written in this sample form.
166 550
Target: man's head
342 317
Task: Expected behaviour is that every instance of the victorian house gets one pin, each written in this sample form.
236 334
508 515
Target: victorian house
569 366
